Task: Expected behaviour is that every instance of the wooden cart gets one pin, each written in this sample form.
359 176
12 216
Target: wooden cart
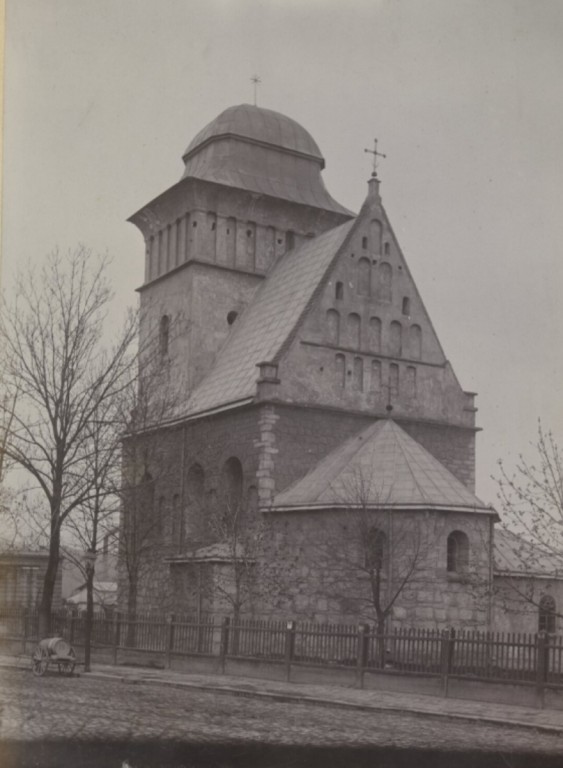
53 650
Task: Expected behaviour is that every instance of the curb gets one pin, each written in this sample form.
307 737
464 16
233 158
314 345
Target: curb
297 698
337 703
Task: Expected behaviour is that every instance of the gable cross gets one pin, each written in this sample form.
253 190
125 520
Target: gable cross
375 154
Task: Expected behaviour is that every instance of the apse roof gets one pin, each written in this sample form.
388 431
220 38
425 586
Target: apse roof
261 151
381 467
260 332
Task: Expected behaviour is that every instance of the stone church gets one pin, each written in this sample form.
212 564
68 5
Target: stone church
314 397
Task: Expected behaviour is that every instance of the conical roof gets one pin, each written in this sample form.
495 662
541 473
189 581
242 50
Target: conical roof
382 467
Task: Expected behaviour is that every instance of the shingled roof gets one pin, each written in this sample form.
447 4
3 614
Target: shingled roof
267 322
382 467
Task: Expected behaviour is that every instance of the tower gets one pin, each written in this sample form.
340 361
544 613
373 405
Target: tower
251 189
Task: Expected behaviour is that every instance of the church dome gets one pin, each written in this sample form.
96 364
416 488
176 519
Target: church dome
263 152
258 125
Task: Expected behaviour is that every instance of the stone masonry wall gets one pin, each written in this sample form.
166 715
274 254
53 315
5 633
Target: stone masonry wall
324 580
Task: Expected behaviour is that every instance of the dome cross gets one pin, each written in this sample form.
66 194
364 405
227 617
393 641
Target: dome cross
256 80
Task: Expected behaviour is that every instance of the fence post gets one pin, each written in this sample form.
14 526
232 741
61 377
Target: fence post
224 642
542 651
447 652
116 638
289 648
170 626
362 655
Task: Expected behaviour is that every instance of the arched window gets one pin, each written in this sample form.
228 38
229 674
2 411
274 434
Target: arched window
546 615
340 365
195 484
375 334
358 377
195 499
410 382
384 282
231 483
415 342
406 305
393 380
457 552
364 277
164 335
364 243
375 376
332 327
395 339
339 290
376 230
354 330
386 249
375 550
231 317
289 240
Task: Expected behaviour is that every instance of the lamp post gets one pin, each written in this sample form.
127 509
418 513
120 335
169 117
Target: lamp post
89 565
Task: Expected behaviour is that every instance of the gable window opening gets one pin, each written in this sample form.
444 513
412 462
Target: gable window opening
386 249
364 243
339 290
406 305
231 317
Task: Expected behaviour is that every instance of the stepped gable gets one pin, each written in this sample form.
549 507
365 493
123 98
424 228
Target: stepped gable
381 467
261 151
267 324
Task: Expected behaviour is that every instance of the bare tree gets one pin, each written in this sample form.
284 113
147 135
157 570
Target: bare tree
238 531
145 411
531 502
60 370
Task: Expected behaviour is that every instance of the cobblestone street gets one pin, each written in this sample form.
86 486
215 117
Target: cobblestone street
53 707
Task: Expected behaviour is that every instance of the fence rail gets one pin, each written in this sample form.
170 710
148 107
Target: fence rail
488 656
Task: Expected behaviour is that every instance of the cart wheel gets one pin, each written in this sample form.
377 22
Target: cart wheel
39 662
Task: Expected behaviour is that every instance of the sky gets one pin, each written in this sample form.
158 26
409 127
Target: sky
465 98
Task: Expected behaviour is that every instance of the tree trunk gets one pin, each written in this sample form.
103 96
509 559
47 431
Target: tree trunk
381 642
49 583
131 612
89 617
